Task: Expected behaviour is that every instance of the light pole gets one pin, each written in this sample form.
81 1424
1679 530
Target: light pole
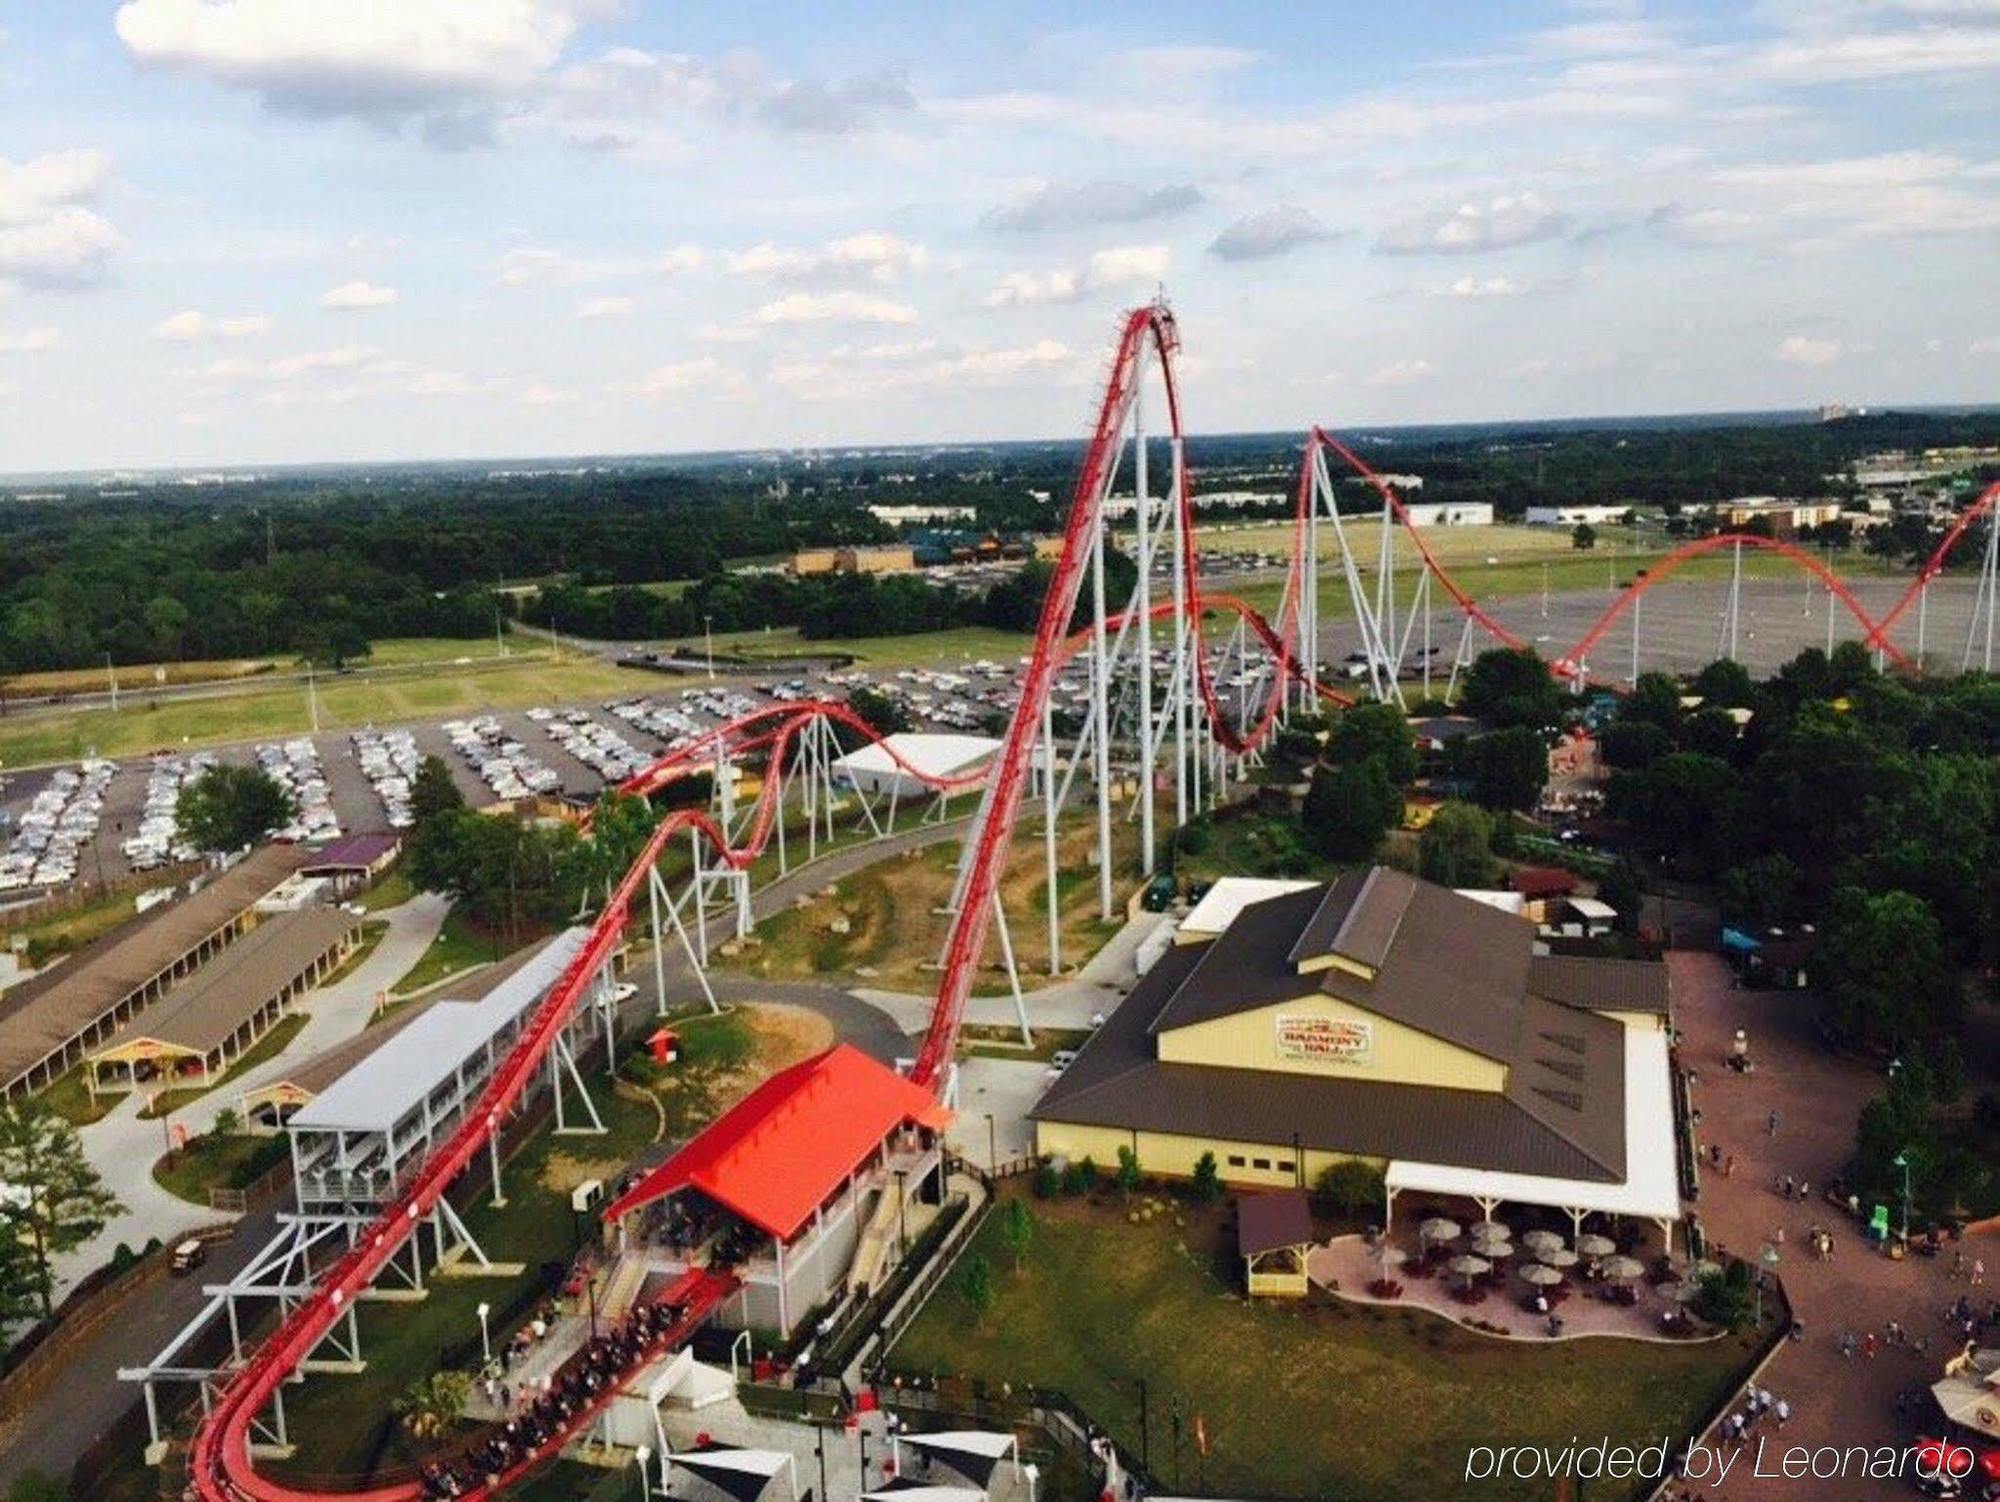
1902 1161
485 1340
1769 1257
708 643
640 1456
992 1147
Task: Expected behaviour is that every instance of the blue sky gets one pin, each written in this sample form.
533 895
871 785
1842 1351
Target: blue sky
264 231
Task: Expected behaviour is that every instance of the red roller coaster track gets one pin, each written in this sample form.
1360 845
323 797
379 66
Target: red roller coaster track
220 1461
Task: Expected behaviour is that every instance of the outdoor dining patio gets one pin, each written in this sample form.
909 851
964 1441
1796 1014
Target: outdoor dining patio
1542 1285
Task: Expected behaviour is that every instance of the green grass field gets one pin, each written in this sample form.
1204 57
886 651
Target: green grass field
234 1161
1288 1393
920 649
262 713
458 947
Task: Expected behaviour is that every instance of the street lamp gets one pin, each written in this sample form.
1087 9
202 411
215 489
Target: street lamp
1902 1161
992 1147
708 641
485 1340
1769 1257
640 1456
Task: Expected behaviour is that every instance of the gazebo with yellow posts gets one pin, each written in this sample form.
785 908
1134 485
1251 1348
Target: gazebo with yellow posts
1273 1233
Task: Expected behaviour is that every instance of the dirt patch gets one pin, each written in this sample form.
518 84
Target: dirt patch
780 1036
562 1172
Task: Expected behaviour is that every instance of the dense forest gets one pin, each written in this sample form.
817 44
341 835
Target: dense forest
318 563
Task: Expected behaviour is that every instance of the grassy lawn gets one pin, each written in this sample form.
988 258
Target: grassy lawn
74 927
894 931
460 945
1288 1393
280 710
268 1047
983 1042
71 1099
371 935
232 1161
342 1423
392 890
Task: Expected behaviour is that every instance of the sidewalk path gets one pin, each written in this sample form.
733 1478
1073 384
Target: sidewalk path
1836 1400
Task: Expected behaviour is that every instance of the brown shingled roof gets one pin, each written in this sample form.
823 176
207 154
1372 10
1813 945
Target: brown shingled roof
1612 985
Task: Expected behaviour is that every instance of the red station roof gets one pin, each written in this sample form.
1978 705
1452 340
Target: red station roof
775 1155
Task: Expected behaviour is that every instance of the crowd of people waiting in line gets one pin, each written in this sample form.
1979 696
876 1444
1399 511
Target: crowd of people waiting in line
541 1413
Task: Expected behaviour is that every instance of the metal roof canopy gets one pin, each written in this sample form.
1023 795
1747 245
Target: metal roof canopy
387 1085
1651 1186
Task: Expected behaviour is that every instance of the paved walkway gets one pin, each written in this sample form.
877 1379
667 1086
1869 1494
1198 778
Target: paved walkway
123 1147
1836 1400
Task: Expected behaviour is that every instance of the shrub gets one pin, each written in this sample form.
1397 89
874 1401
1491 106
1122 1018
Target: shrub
1350 1185
1206 1185
1048 1181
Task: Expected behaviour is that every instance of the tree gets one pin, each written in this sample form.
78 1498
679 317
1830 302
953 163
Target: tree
1680 808
20 1282
1349 808
1017 1228
34 1485
1508 768
431 1405
1128 1171
229 807
1583 537
1883 970
1351 1185
1513 686
886 715
1761 892
1378 731
975 1286
1725 684
1726 1297
1206 1184
59 1201
432 792
1456 847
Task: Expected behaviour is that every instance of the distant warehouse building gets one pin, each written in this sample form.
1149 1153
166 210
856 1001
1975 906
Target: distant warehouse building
1451 513
1575 516
1382 1019
50 1020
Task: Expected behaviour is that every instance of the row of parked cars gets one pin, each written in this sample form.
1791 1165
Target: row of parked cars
58 822
389 760
294 766
157 840
595 744
501 762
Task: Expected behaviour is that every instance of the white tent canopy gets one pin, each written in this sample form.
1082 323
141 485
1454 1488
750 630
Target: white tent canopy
873 769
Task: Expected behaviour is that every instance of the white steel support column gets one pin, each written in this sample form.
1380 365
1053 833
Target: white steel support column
1142 600
1183 669
1013 974
1051 811
1100 708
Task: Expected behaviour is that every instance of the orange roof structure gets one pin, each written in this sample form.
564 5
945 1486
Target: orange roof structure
777 1154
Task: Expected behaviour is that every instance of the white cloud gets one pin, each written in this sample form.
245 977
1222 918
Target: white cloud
191 324
680 258
47 237
1184 62
539 395
1061 206
1797 349
1832 56
1483 286
1402 373
355 297
537 265
28 341
873 255
1471 227
32 191
990 364
443 62
835 307
1986 346
726 333
1271 233
1119 266
605 307
703 376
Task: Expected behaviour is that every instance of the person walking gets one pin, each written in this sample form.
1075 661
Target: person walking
1978 1271
1771 1122
1869 1345
1784 1412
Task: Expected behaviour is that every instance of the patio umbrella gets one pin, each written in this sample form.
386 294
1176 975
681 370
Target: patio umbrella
1469 1267
1622 1269
1541 1241
1390 1255
1439 1229
1489 1228
1541 1275
1493 1248
1559 1256
1679 1293
1703 1269
1593 1245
